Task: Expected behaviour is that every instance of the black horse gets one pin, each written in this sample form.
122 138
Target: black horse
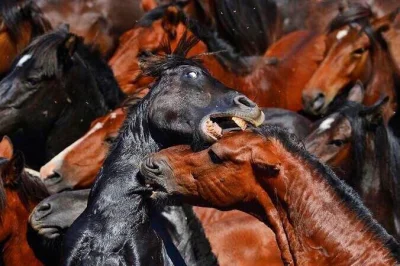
55 89
185 104
364 152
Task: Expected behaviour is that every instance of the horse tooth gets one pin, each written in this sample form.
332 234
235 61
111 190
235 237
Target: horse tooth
240 122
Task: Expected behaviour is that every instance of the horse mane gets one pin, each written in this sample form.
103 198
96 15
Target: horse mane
346 194
44 50
155 65
201 245
249 26
13 12
359 14
29 188
46 53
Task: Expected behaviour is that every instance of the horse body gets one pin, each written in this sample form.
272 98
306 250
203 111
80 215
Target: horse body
19 192
179 108
316 218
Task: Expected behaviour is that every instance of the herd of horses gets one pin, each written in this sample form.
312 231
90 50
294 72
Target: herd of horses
199 132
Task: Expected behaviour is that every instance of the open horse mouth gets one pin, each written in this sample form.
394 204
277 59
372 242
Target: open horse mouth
214 126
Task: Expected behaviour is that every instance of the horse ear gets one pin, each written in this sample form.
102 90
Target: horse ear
71 44
374 113
383 24
6 148
13 169
356 93
265 162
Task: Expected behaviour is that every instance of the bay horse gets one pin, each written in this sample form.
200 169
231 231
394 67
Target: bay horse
19 194
99 22
362 150
20 22
357 51
265 80
184 105
55 89
317 218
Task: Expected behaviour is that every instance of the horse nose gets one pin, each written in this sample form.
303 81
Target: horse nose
50 173
244 102
41 211
153 166
314 103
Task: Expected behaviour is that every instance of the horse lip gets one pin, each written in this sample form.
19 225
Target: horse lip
255 121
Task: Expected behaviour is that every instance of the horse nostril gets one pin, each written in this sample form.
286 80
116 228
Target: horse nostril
153 166
319 101
42 210
243 101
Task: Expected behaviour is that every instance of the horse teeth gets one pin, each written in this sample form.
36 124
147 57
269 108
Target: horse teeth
240 122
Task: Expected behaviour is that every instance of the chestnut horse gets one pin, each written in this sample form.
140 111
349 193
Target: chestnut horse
20 22
363 151
19 194
265 81
77 166
317 219
358 51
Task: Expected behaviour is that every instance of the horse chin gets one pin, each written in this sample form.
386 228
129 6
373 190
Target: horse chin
214 126
49 232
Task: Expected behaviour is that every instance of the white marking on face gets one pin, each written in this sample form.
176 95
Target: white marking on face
341 34
113 115
32 172
23 60
326 124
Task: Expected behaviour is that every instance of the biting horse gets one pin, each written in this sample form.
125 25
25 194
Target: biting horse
317 218
20 22
55 89
184 104
19 194
362 150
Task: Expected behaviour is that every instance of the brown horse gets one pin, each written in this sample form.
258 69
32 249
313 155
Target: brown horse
20 22
363 151
356 51
19 194
267 82
77 166
99 22
317 219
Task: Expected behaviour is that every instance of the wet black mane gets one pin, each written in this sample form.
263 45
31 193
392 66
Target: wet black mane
46 53
13 12
249 25
155 65
345 192
29 188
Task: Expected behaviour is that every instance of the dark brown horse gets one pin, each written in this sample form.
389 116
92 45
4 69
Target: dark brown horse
20 22
19 194
357 50
355 142
317 219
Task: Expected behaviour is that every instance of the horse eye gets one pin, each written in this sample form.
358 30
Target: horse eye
359 51
110 139
337 142
191 74
214 157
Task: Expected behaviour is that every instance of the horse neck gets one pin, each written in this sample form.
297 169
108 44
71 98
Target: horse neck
320 224
16 250
375 176
381 82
